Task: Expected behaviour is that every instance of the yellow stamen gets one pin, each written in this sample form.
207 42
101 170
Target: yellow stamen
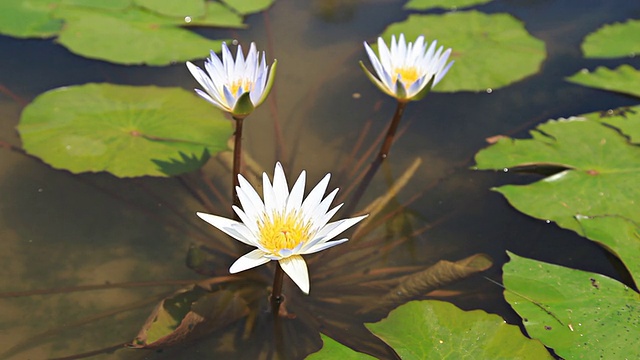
408 75
244 83
285 231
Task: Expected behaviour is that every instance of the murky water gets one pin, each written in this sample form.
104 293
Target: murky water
58 230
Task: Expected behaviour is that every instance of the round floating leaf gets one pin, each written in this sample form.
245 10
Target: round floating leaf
334 350
125 130
618 235
439 330
28 18
491 51
446 4
581 315
625 79
121 39
217 14
602 169
182 8
104 5
245 7
614 40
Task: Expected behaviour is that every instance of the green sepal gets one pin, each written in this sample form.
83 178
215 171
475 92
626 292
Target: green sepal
375 80
244 106
269 85
425 90
401 92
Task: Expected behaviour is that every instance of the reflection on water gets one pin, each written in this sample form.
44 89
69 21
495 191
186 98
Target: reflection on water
59 230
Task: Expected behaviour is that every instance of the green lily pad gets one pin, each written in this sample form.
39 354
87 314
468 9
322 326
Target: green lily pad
581 315
491 51
104 5
217 15
625 79
180 8
125 130
602 169
245 7
107 36
334 350
618 235
439 330
28 18
613 41
445 4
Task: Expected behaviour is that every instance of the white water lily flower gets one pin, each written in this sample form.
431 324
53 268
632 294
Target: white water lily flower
225 82
284 226
407 71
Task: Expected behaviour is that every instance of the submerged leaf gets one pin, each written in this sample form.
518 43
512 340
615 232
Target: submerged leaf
625 79
125 130
438 330
581 315
188 315
491 51
420 283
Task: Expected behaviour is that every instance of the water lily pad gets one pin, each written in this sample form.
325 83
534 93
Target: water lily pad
125 130
613 41
182 8
581 315
446 4
439 330
107 36
491 51
600 176
245 7
217 15
625 79
28 18
618 235
104 5
334 350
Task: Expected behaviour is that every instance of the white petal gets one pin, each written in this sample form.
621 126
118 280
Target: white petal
280 187
296 268
315 196
294 202
323 246
335 228
250 224
229 227
249 261
268 195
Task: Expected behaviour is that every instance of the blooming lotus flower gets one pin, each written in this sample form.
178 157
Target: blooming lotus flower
407 71
237 87
283 226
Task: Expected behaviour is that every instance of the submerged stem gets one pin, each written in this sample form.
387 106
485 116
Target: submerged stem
276 294
382 154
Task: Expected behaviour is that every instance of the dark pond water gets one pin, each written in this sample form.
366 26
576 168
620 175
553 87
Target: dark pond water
59 230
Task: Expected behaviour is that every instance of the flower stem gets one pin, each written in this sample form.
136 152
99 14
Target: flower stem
382 154
276 293
237 159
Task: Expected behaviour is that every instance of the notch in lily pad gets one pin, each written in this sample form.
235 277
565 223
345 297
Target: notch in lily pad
128 131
